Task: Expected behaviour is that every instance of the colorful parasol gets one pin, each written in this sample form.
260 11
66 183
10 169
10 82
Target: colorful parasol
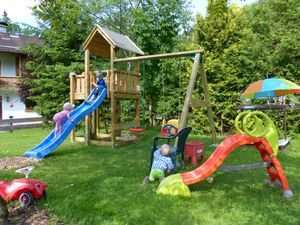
270 88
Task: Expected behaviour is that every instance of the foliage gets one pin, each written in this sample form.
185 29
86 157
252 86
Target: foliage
64 29
13 28
219 36
270 46
18 28
244 46
157 29
115 15
24 87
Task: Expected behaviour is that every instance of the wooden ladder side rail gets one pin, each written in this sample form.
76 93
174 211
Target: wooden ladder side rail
72 98
87 91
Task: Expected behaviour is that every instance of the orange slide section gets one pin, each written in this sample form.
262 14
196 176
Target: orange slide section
223 150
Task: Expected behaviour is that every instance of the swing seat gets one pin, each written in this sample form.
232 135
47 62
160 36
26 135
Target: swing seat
136 130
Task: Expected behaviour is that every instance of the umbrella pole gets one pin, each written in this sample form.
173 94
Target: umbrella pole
285 124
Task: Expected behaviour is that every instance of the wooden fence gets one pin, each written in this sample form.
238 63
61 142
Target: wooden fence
23 123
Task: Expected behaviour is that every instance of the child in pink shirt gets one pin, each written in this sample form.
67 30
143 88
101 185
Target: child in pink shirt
61 116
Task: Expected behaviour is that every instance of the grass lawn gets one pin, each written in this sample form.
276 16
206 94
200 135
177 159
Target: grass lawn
99 185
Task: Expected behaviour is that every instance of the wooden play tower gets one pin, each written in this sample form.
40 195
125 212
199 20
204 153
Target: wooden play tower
125 85
121 85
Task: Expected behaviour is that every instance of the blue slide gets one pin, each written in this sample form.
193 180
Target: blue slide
49 144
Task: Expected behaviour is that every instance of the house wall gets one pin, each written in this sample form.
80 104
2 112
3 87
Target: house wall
11 104
8 64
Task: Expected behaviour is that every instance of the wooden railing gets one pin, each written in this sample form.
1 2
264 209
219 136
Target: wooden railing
126 84
80 86
23 123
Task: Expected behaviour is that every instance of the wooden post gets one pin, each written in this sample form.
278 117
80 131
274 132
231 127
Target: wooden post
72 99
207 98
138 107
87 91
138 112
285 123
185 110
95 113
11 124
1 112
112 97
97 122
118 110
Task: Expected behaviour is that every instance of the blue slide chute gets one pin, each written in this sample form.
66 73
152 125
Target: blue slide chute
49 144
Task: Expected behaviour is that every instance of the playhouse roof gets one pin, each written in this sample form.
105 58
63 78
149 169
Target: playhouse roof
100 40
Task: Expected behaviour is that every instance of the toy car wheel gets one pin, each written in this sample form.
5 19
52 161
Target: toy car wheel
26 199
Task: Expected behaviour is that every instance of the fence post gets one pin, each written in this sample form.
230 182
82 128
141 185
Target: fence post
11 124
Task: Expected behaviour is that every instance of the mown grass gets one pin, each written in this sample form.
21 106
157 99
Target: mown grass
100 185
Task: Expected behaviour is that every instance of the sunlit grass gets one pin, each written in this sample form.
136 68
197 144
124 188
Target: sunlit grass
101 185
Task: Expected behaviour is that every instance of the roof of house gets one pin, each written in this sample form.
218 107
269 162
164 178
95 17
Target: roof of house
13 43
101 39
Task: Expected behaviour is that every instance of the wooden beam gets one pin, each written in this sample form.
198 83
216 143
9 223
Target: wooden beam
185 110
72 99
159 56
87 91
112 99
197 103
138 113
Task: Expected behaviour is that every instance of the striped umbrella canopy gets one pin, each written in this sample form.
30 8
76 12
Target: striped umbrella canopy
270 88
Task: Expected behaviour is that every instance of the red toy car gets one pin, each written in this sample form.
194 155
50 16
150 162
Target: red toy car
24 190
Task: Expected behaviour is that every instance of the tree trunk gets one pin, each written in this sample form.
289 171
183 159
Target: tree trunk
3 212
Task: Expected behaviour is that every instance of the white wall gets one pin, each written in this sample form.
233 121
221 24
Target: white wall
12 105
8 64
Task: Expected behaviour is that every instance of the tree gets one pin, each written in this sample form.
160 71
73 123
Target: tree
64 28
153 25
115 15
157 27
243 46
13 28
219 35
272 45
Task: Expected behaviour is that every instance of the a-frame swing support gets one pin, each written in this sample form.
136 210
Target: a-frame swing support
189 102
